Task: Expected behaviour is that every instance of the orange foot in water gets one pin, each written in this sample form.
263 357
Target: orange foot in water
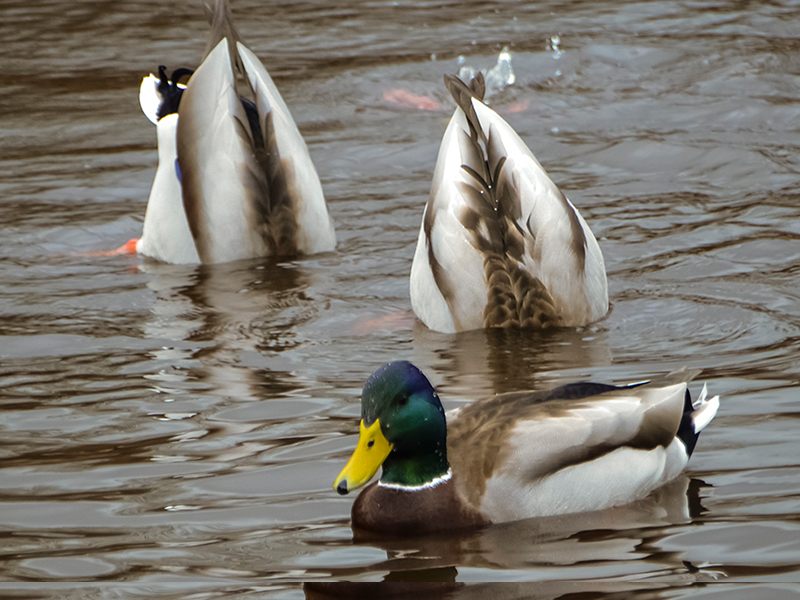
409 100
128 247
398 320
406 99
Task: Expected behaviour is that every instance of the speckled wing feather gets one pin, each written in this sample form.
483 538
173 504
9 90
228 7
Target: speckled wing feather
515 297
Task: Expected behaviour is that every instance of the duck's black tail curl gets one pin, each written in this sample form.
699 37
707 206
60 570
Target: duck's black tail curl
696 415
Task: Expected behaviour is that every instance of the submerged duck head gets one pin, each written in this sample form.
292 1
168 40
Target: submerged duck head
402 428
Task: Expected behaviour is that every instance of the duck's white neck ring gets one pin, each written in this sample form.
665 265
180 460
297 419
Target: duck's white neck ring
415 488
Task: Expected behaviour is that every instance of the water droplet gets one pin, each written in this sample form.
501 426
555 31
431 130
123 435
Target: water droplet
555 40
501 75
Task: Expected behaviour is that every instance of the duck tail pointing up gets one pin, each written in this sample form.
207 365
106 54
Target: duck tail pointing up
696 416
219 16
461 92
463 95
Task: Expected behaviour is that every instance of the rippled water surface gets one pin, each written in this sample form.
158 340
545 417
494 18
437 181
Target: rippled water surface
176 430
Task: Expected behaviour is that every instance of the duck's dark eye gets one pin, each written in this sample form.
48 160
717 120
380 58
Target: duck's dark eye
403 400
370 443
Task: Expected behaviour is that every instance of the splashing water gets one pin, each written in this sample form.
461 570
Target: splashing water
501 75
553 45
497 78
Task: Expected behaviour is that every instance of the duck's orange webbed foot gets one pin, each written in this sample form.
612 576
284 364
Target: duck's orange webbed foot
128 247
407 99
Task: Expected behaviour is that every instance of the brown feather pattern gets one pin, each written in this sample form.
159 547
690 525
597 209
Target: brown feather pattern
514 298
268 181
281 231
477 439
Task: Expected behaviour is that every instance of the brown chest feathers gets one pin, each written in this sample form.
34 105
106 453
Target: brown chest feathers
393 511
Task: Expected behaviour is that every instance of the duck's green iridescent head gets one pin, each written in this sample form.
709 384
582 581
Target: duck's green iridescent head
402 428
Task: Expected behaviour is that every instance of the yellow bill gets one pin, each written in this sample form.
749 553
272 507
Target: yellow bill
371 450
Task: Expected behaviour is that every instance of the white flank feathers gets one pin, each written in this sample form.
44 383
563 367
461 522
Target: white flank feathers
166 234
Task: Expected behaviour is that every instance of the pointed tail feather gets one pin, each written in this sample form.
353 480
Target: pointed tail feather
219 16
704 410
696 416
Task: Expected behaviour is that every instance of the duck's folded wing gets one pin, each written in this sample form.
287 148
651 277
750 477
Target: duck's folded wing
448 282
216 159
570 456
295 189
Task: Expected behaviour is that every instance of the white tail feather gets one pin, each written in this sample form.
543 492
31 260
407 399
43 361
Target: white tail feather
701 398
704 410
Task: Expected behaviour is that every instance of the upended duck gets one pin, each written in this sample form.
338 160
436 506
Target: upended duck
500 245
579 447
234 179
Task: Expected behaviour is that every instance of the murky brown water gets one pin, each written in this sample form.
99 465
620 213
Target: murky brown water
175 430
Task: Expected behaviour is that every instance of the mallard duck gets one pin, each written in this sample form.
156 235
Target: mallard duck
234 179
579 447
500 245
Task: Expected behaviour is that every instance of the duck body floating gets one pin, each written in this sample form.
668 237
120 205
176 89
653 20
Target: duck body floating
579 447
234 178
500 245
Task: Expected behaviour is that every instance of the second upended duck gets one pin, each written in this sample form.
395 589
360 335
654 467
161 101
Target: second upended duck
579 447
500 245
234 179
